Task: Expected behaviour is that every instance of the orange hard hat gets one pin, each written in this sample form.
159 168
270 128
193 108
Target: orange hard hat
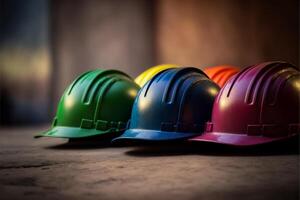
220 74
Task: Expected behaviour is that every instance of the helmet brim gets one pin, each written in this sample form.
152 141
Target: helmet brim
72 132
235 139
152 135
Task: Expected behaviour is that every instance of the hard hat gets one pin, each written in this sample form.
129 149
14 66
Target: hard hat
220 74
142 79
258 105
97 102
174 104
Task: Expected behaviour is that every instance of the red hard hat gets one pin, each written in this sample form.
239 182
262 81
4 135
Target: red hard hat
258 105
221 74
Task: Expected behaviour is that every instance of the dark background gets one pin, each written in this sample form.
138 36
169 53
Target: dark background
45 44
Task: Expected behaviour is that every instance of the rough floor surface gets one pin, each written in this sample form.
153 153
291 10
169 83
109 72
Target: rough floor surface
49 168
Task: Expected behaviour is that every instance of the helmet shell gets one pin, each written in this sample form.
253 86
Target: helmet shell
142 79
97 102
221 74
258 105
174 104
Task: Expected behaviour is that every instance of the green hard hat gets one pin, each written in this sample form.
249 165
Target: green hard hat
97 102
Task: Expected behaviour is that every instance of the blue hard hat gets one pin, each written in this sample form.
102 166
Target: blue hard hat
174 104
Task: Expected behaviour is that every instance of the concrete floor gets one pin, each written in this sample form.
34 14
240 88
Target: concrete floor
49 169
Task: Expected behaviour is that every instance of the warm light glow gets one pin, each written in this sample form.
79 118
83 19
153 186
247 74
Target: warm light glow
297 84
15 59
213 91
69 101
223 103
132 93
143 104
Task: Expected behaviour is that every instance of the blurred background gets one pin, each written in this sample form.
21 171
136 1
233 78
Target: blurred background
45 44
